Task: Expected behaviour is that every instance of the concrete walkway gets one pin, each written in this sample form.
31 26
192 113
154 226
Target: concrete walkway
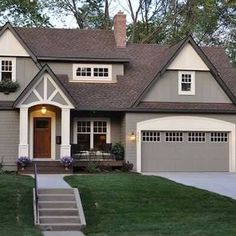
223 183
52 181
55 181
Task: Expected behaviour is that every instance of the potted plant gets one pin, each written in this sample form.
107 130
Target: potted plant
66 162
23 161
118 151
8 86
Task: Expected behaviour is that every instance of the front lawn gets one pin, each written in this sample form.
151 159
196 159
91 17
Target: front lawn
135 205
16 209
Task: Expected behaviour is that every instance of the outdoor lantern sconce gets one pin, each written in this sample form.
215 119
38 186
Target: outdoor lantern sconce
132 136
44 110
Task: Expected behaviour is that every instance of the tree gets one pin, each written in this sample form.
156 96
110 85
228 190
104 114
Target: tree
211 22
23 13
87 13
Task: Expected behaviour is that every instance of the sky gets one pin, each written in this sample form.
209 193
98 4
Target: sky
115 6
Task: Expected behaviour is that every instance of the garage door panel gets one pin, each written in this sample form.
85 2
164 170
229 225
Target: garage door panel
184 156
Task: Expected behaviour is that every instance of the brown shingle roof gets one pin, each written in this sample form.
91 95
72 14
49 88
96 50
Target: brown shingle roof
145 62
70 43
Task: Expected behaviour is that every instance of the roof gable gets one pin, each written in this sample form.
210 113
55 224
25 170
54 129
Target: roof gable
45 88
188 59
173 53
11 44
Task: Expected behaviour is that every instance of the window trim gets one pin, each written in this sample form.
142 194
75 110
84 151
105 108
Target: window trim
13 60
148 136
192 91
108 134
92 77
171 141
216 141
205 137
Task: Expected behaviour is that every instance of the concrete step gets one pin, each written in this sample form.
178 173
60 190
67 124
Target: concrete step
58 219
55 191
56 197
57 204
60 227
58 212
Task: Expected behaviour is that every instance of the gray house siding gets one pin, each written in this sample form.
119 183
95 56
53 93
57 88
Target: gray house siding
131 120
9 138
25 72
206 89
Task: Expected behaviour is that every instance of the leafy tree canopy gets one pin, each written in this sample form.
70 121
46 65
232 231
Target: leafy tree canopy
23 13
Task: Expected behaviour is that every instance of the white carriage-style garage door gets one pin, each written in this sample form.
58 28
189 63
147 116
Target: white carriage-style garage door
185 151
185 143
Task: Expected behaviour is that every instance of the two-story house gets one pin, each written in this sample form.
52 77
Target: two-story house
173 107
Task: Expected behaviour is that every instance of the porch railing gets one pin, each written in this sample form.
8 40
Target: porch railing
36 194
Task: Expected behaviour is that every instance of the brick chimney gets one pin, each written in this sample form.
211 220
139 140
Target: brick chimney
120 29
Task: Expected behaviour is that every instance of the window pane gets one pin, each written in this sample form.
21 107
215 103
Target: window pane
99 141
6 76
186 87
84 141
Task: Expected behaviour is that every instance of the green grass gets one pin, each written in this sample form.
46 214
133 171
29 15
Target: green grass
135 205
16 209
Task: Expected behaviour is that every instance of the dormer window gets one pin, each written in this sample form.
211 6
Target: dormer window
186 83
7 69
85 72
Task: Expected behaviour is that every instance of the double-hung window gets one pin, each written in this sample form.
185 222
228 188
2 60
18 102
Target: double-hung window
7 69
92 134
186 83
92 72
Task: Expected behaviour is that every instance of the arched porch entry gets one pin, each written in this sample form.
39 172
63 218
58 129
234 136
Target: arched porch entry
44 119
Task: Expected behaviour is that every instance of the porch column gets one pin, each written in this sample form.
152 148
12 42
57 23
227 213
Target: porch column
65 132
23 149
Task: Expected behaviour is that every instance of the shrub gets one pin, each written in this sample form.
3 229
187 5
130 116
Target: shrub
127 166
118 151
92 168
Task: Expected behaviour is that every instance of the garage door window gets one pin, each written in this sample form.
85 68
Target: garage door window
196 137
151 136
219 137
174 136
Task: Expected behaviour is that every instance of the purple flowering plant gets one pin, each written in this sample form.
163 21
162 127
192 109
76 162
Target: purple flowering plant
23 161
66 161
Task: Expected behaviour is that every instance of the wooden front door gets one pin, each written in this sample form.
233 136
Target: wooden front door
42 137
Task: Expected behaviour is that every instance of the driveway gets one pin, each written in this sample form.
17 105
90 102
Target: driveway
223 183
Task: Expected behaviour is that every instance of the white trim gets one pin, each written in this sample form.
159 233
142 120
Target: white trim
13 60
38 114
188 123
192 91
108 134
43 99
23 147
92 77
37 95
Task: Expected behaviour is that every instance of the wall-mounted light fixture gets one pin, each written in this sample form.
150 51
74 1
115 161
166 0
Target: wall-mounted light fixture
43 110
132 136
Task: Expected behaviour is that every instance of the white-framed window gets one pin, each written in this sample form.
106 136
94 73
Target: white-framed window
186 83
7 69
174 136
196 137
91 72
151 136
219 137
92 133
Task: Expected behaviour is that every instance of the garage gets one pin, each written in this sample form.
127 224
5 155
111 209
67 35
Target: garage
185 143
184 151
